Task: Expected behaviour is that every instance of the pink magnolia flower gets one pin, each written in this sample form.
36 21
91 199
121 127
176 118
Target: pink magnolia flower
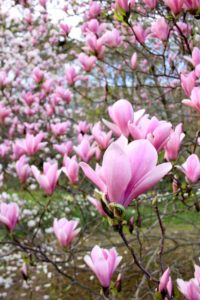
4 112
188 82
184 28
62 94
134 61
30 145
160 29
175 5
94 10
121 112
43 3
195 99
174 142
65 29
64 148
9 215
95 45
82 127
195 59
165 285
71 169
97 204
84 150
60 128
49 178
140 33
191 289
47 86
197 70
71 76
24 271
23 169
157 132
87 62
28 98
138 170
65 231
38 75
125 4
151 3
94 26
102 138
112 38
4 149
192 4
191 168
103 263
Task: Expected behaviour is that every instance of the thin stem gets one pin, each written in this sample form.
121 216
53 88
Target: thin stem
137 262
162 239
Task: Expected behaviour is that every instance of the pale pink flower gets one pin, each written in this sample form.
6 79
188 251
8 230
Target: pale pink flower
23 169
191 168
9 215
103 263
137 162
71 168
65 231
49 178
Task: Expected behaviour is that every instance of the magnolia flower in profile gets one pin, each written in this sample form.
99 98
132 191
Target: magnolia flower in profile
23 169
87 62
160 29
60 128
9 215
84 150
165 285
65 231
127 171
94 10
71 168
191 289
134 61
49 178
112 38
195 59
97 204
174 142
188 82
30 145
4 112
175 5
191 168
103 263
154 130
38 75
64 148
195 99
140 33
192 4
65 28
103 139
121 113
24 271
125 4
62 94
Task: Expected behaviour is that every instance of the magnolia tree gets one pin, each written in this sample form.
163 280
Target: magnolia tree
99 147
